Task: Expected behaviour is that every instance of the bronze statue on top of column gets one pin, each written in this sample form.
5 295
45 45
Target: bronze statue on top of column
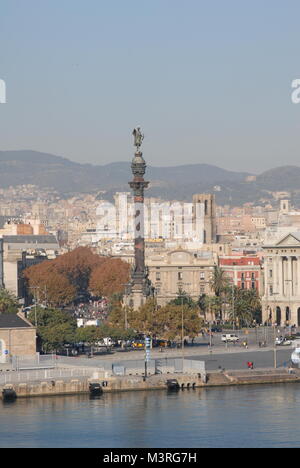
138 138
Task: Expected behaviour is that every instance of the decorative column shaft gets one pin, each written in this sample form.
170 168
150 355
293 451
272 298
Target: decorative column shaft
138 186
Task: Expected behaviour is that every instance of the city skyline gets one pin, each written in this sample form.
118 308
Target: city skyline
149 226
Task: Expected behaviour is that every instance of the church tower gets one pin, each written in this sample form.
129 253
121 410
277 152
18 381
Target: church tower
209 211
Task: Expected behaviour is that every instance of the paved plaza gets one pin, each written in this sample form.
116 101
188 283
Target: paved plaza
231 356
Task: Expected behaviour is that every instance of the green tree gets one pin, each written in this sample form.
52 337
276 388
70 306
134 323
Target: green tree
219 283
54 328
184 298
174 317
148 319
90 334
214 305
247 306
166 322
121 333
55 336
118 314
202 304
8 302
94 334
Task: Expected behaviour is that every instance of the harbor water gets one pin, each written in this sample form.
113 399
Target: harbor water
253 416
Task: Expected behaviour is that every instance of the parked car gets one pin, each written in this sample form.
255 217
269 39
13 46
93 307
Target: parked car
138 344
105 343
216 329
280 341
161 344
230 338
287 342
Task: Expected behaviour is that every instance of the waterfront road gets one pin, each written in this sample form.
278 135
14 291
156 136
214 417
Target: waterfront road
232 358
238 361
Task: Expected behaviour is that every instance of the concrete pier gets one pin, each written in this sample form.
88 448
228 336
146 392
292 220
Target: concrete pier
77 386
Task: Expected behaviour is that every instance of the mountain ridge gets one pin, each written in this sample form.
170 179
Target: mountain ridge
24 167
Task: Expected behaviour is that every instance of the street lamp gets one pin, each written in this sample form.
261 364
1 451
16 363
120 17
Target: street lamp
125 308
274 334
210 328
233 305
289 315
35 303
182 321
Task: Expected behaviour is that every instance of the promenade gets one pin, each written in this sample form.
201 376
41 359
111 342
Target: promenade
233 357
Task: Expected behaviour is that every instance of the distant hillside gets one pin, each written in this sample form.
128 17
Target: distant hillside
180 182
30 167
284 178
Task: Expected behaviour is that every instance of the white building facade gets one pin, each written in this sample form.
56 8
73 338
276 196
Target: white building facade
281 300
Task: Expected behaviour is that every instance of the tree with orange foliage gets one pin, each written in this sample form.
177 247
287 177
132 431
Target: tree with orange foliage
61 280
109 278
49 286
78 265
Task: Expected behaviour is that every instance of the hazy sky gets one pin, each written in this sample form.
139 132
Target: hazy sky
209 81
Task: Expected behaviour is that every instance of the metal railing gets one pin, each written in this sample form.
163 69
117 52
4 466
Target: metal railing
44 361
44 375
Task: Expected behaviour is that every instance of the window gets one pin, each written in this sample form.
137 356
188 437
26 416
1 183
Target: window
253 285
180 276
202 275
206 207
271 273
157 276
271 290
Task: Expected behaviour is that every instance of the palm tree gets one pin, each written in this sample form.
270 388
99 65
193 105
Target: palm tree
219 283
8 302
247 306
241 316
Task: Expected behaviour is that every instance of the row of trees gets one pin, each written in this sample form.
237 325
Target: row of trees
78 273
56 328
161 322
182 316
